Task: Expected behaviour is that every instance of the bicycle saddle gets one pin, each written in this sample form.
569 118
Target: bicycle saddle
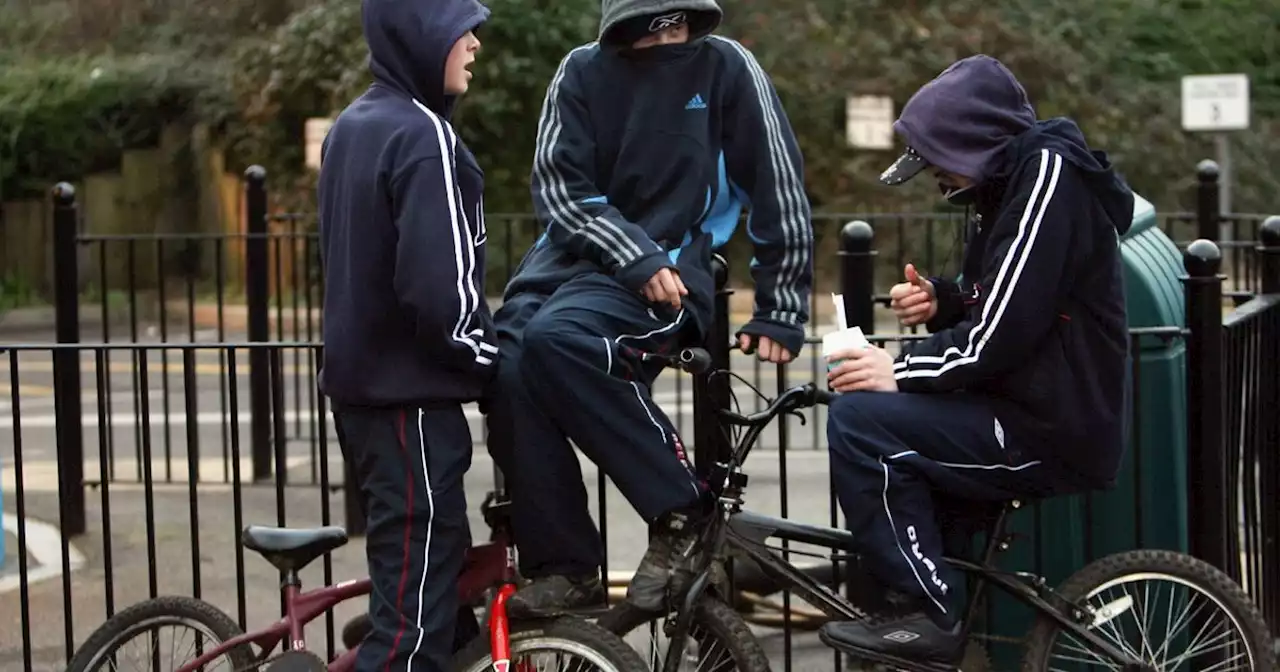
292 548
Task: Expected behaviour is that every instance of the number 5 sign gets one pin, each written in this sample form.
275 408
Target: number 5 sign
1215 102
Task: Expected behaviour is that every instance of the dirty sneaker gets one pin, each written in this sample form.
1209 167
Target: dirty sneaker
557 595
670 556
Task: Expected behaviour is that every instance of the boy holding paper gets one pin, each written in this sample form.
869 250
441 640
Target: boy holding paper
1021 388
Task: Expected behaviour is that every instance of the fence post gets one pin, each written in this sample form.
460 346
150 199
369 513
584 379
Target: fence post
857 284
69 432
1207 519
1208 200
858 274
710 395
256 273
1269 254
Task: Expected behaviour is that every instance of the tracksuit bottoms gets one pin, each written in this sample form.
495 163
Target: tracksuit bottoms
892 454
570 370
410 463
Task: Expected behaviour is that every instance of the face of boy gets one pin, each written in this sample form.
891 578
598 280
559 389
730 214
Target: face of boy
463 54
677 34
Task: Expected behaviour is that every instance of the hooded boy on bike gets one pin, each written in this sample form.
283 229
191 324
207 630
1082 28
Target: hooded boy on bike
651 141
1021 388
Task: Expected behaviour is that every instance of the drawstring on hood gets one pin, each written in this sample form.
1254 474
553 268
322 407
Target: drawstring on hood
409 44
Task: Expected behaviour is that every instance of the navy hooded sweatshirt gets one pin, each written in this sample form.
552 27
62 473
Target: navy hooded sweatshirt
644 160
402 224
1038 323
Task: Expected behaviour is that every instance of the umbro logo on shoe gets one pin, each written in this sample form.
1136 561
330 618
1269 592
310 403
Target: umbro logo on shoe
901 636
696 103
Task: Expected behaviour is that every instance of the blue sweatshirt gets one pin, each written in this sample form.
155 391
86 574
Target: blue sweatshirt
1038 324
644 160
402 224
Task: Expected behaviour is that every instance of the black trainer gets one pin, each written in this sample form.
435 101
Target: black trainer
667 563
901 639
557 595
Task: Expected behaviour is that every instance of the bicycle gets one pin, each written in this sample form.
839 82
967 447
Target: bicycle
489 576
703 615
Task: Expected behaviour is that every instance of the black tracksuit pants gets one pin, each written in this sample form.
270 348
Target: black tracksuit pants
569 372
892 453
410 463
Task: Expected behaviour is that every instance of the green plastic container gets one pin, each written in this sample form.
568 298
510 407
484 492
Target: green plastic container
1147 506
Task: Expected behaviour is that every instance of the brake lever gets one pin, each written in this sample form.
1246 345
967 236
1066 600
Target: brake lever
798 414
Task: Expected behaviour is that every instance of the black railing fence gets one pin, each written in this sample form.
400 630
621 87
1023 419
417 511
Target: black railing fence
130 467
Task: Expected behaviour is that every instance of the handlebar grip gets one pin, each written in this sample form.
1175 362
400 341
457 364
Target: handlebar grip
824 397
695 360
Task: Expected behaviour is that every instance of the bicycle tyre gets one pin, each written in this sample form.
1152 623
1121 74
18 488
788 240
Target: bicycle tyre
118 629
565 633
717 619
1207 578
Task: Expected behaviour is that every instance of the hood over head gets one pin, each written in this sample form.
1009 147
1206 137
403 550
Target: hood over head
961 120
410 40
622 22
1064 136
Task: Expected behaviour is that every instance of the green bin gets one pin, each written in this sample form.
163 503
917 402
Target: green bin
1147 506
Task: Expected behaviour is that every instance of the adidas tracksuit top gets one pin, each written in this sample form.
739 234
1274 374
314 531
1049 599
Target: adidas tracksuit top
646 158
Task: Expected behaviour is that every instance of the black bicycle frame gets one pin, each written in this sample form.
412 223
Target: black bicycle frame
747 533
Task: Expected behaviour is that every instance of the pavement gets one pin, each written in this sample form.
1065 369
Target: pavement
173 538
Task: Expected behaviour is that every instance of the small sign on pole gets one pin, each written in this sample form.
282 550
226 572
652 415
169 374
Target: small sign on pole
1215 102
869 122
316 129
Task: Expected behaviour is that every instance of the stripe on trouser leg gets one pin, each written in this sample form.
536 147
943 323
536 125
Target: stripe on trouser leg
426 551
884 495
679 449
408 530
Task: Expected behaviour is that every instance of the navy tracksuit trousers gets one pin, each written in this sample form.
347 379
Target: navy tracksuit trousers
569 371
410 463
892 453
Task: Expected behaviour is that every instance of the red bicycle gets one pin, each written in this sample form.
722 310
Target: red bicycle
488 579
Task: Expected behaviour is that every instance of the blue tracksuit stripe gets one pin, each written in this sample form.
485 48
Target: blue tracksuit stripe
793 218
551 190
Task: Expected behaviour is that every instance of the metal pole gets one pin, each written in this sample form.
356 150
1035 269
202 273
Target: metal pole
69 433
1205 472
256 288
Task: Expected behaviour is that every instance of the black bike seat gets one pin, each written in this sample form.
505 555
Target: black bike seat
292 548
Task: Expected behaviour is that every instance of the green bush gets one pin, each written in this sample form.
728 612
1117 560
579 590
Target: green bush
61 119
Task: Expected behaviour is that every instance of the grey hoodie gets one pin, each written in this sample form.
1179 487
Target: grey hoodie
613 12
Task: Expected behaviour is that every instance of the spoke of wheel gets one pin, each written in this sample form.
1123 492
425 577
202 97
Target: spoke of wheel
1095 658
1194 649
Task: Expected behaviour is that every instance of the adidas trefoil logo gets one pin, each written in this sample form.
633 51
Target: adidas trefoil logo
696 103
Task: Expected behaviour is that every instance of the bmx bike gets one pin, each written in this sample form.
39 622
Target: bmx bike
488 578
1083 617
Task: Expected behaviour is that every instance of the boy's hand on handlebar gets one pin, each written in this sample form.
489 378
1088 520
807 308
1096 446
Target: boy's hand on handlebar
767 349
914 301
665 287
867 369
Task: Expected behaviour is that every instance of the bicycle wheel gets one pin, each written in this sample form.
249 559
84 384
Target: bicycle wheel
1216 622
719 640
209 626
593 648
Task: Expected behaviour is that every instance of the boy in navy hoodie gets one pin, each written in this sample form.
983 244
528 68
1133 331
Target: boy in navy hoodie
407 332
651 141
1021 390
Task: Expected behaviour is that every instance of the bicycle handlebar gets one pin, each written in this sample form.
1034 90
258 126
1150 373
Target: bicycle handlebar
698 361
